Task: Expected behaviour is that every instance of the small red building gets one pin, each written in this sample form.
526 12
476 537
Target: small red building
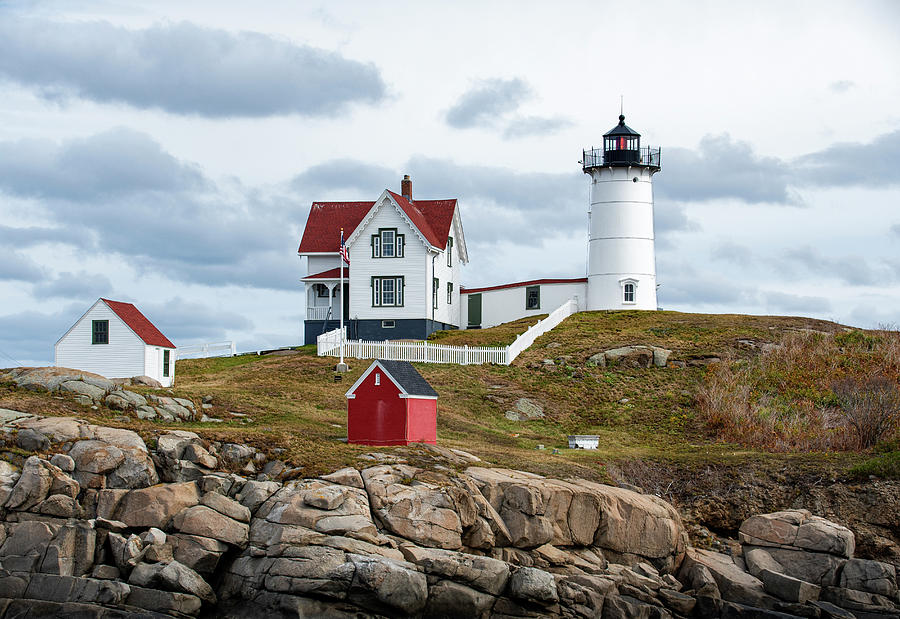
391 404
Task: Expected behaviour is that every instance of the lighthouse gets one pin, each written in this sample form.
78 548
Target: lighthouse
621 255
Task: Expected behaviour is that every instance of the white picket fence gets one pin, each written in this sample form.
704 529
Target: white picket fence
201 351
329 344
556 316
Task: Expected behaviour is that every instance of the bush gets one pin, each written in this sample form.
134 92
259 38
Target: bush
885 465
812 391
871 407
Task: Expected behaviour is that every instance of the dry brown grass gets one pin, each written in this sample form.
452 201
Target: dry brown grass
808 393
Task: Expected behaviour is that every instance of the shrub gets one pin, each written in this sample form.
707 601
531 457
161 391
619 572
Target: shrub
871 407
811 391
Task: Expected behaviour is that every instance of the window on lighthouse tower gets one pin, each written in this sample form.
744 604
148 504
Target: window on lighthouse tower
628 293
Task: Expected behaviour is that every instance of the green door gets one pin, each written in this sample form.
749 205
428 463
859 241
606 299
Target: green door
475 311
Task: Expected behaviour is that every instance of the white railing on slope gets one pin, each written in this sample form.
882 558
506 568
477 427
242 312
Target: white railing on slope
201 351
527 339
329 344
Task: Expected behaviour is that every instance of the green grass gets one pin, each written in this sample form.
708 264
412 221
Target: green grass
641 415
886 465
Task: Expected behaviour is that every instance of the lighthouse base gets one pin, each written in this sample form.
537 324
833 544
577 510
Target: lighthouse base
621 292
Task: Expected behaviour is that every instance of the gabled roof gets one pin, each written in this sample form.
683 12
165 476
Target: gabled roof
432 217
334 273
403 374
138 323
323 226
322 234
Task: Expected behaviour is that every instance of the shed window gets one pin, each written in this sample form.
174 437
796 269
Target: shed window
533 297
166 363
628 293
377 378
100 332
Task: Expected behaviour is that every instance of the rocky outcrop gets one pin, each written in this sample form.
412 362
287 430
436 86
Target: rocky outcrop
82 535
94 390
794 561
637 356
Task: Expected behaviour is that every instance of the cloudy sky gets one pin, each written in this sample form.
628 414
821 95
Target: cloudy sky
166 153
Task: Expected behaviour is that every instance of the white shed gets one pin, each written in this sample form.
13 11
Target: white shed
116 340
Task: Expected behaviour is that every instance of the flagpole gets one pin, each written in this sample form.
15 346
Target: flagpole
341 258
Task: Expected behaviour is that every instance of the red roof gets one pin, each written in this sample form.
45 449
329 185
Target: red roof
334 273
533 282
133 317
322 233
431 217
323 226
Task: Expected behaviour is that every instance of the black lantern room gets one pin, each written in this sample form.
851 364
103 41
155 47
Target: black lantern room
622 144
621 147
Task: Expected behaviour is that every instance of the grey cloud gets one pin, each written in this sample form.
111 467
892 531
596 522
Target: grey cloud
36 235
534 125
333 175
105 165
486 102
853 163
734 253
119 191
841 85
792 303
17 267
723 168
852 270
700 291
183 69
184 321
497 203
28 337
83 286
896 229
875 315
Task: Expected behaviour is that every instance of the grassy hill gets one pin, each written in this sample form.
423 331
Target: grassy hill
290 401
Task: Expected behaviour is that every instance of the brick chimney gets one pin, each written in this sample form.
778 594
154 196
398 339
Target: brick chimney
406 187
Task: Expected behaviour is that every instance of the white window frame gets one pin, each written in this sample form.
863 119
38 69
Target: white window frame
378 290
624 283
449 293
450 251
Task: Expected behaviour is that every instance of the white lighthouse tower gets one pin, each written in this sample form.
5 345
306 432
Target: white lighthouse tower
621 255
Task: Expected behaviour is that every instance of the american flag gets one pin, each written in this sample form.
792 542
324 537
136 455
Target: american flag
344 253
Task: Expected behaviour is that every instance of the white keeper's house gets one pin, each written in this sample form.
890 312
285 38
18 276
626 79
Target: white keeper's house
116 340
405 256
403 277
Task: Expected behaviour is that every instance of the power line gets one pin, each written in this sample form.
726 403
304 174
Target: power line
10 358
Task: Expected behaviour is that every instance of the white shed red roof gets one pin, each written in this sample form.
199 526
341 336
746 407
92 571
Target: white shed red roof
139 323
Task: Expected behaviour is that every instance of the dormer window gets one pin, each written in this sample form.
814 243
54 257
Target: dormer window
388 244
